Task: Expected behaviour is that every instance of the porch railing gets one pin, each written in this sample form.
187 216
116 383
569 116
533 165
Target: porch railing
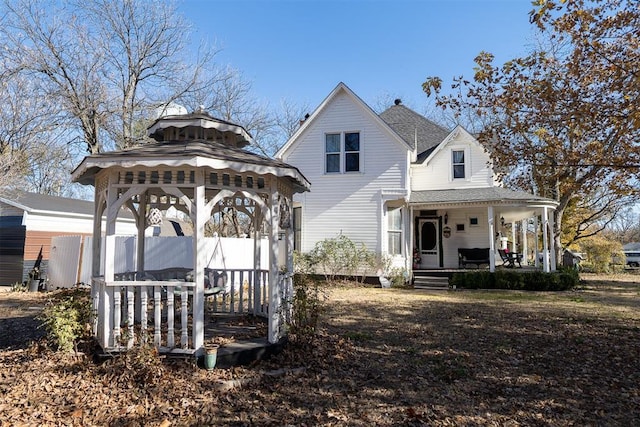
160 311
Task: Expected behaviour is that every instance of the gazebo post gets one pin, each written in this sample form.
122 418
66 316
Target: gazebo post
274 285
141 221
257 249
199 258
141 225
109 263
290 267
97 287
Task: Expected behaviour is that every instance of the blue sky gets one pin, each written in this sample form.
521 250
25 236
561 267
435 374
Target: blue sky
301 49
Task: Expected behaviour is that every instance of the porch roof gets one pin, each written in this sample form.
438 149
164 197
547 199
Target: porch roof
484 195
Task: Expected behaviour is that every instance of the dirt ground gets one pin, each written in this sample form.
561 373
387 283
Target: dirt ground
382 357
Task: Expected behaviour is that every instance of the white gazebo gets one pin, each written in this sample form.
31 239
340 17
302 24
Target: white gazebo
196 165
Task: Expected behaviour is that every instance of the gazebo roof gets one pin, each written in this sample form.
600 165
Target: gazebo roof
194 153
199 119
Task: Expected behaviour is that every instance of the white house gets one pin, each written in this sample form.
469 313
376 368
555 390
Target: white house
400 184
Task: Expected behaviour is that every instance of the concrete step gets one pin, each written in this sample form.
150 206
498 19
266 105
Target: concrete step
430 282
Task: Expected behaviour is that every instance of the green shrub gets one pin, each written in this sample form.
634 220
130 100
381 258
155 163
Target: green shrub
337 256
399 277
307 306
67 317
561 280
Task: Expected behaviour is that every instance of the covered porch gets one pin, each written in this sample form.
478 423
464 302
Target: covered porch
474 227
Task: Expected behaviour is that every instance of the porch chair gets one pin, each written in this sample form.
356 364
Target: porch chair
510 258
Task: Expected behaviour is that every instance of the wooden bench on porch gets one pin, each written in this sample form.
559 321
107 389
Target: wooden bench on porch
475 256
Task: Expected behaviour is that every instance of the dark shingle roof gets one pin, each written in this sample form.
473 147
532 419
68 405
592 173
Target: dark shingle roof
411 126
44 202
471 195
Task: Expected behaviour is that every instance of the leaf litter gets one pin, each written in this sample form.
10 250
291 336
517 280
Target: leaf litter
382 357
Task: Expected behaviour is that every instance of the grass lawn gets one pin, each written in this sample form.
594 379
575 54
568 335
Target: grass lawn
382 357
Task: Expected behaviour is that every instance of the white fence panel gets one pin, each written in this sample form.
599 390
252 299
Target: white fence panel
225 253
165 252
64 261
86 260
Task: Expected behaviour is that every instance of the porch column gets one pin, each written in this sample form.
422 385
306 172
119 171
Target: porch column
199 262
514 247
552 246
410 239
492 240
545 240
536 226
525 226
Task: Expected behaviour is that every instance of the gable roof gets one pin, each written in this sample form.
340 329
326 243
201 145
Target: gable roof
31 202
427 155
341 87
414 128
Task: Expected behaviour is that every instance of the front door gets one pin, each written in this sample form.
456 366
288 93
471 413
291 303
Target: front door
429 240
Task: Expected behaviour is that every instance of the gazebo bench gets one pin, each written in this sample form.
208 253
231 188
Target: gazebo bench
475 256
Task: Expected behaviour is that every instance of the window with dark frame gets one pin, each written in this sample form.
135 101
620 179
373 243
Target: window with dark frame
458 164
342 152
332 152
352 152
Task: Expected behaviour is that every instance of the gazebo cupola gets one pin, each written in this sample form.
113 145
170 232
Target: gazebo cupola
197 164
199 126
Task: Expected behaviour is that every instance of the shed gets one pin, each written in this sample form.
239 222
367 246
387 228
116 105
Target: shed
28 222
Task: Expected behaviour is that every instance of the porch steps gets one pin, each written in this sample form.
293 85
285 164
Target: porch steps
428 281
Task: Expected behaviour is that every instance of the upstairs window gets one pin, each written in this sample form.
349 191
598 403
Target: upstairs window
352 152
458 164
342 152
332 150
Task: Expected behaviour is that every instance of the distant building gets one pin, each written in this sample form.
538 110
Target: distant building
28 222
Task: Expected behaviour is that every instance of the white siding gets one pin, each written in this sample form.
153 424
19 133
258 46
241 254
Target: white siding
471 237
437 173
350 203
59 221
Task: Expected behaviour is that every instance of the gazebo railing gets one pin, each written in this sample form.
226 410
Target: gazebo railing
160 311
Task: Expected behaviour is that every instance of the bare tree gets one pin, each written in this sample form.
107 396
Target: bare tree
107 63
25 129
48 44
